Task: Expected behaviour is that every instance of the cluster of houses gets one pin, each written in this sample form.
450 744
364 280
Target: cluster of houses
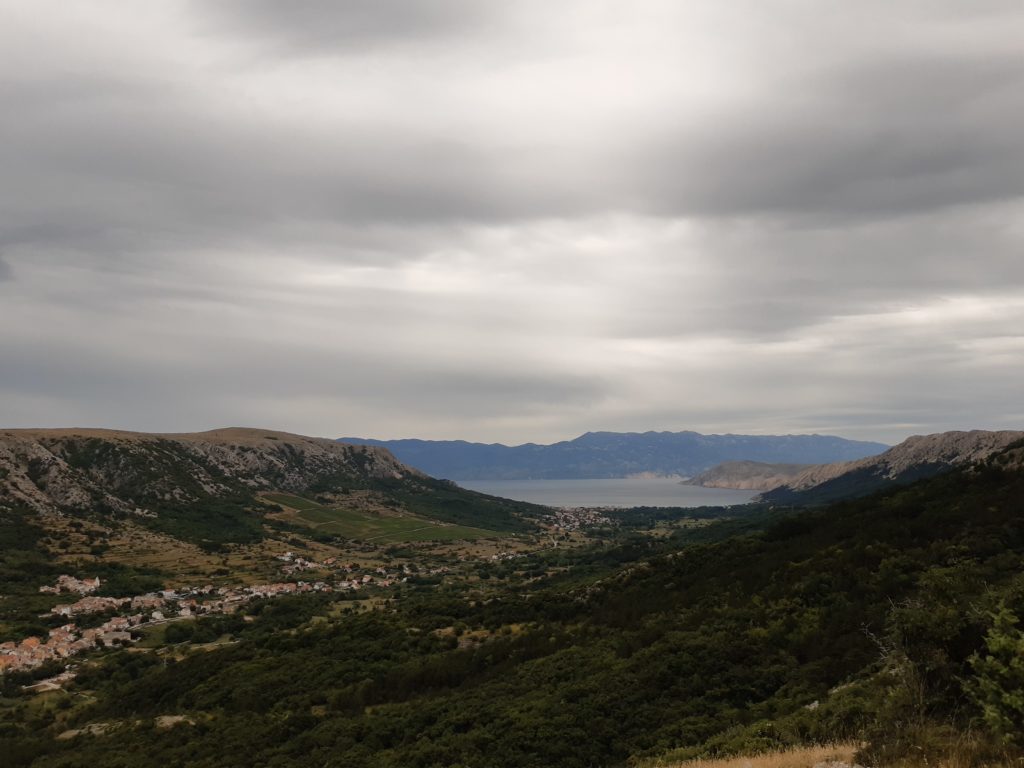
578 518
155 607
67 583
379 577
94 604
502 556
230 598
294 563
66 641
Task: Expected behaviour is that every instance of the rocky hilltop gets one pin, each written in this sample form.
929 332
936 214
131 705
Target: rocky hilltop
915 458
209 488
82 470
747 475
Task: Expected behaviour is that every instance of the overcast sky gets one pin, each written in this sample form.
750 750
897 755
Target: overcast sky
514 221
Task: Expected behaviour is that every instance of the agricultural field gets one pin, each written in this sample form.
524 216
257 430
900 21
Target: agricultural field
374 526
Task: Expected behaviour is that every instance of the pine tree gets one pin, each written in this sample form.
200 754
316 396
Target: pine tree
998 683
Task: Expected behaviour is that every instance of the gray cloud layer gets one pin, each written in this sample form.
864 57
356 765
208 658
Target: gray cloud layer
512 222
324 27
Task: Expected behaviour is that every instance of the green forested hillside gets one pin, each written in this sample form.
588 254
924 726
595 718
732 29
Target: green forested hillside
860 620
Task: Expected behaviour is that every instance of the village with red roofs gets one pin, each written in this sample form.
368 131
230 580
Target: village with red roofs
131 614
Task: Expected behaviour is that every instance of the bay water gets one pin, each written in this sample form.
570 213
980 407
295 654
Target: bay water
618 492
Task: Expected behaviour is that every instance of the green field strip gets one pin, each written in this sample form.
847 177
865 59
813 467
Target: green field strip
290 500
358 525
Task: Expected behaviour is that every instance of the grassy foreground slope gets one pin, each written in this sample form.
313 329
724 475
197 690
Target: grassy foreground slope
890 619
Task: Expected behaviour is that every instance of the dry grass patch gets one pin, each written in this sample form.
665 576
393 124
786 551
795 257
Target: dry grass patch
93 729
185 563
796 757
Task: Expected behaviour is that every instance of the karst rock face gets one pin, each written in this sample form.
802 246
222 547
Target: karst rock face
948 448
83 469
915 458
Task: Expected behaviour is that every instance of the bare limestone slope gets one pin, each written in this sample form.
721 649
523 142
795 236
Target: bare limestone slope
51 470
747 475
915 458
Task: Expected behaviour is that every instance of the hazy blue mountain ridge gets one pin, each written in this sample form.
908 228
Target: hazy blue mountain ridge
616 454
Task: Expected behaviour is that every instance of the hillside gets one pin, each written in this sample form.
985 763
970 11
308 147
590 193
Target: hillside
747 475
915 458
204 487
616 454
870 621
128 472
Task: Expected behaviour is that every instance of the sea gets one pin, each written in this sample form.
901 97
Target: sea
646 492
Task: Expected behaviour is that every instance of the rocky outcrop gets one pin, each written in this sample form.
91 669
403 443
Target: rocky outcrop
130 472
915 458
747 475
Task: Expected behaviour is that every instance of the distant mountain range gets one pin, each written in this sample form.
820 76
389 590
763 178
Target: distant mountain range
915 458
616 454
